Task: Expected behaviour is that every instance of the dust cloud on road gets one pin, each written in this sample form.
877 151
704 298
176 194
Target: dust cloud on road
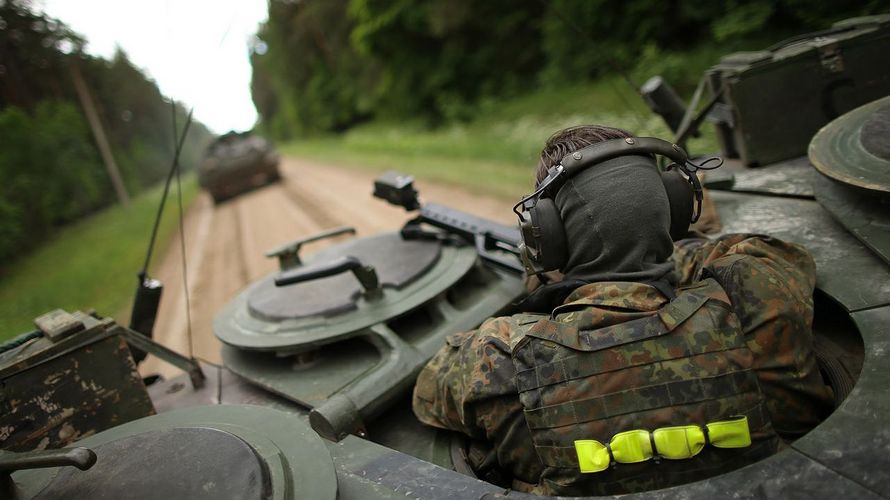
226 243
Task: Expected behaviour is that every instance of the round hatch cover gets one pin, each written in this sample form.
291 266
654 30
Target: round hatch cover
397 261
307 315
218 452
164 464
855 148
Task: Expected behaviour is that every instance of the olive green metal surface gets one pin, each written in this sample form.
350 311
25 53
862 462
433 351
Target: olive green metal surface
792 178
778 98
52 393
296 459
379 356
236 326
866 214
838 152
855 440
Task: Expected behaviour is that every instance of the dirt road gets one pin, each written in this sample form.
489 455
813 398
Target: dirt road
226 243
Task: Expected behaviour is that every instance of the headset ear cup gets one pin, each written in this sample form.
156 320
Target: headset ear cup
552 240
680 198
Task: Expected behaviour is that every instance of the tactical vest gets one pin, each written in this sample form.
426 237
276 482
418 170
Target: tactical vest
654 402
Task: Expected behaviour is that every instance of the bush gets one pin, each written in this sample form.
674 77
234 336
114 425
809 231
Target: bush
51 173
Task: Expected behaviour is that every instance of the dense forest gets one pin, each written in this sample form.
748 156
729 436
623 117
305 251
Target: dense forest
327 65
51 167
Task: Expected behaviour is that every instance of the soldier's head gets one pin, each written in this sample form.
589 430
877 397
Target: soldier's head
616 214
571 139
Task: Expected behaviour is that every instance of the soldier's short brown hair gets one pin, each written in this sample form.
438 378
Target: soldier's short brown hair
570 140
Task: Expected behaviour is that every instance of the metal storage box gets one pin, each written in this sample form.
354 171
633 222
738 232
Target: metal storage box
823 75
74 379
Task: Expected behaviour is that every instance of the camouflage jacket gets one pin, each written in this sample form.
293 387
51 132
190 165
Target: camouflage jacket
770 284
470 387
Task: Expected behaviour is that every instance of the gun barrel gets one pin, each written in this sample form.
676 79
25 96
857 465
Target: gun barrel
491 238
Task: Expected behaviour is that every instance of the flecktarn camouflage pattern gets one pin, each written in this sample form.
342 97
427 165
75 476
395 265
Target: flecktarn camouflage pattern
685 365
770 285
761 289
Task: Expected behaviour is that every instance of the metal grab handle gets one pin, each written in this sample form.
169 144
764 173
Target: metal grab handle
289 253
82 458
346 411
366 275
145 344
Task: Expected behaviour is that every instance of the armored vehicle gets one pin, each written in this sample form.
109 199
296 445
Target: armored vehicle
237 162
319 358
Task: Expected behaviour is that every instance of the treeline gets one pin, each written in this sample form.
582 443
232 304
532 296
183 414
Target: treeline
326 65
50 167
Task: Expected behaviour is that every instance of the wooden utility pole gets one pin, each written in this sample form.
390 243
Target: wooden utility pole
99 133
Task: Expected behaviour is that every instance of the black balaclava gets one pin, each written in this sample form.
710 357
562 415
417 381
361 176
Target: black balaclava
617 222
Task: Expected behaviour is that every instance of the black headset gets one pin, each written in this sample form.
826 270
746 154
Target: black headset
544 244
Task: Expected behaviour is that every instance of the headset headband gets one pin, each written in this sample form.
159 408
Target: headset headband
544 244
573 163
606 150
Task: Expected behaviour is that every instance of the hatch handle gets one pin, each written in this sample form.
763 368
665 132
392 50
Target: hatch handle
82 458
289 253
366 275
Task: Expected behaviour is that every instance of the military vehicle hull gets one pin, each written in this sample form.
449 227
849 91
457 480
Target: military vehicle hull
236 163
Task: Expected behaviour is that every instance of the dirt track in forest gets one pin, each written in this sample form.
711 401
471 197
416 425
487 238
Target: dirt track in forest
226 243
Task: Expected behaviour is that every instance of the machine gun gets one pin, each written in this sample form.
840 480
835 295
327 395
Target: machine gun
494 242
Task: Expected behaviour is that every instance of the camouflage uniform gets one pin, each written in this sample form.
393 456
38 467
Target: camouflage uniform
770 284
471 384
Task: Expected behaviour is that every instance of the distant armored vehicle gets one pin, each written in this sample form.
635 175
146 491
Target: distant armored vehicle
237 162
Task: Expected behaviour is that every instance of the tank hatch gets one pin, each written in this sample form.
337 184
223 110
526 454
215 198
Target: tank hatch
855 148
218 452
346 333
397 262
853 154
163 464
390 276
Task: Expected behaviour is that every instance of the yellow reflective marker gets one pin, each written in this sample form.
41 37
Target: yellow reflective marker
674 443
592 455
730 433
679 442
631 447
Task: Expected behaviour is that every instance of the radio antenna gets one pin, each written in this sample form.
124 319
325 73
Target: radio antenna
174 167
148 291
185 269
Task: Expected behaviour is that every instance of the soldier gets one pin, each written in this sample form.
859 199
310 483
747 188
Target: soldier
647 365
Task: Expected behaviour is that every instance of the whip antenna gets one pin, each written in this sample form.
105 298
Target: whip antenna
148 290
185 270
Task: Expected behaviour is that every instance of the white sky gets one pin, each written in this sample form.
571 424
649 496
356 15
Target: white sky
196 50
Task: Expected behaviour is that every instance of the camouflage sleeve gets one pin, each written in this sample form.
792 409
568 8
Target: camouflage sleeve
469 387
692 254
770 283
471 368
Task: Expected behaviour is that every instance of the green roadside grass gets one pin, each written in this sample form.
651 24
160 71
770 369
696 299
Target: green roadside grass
496 152
91 264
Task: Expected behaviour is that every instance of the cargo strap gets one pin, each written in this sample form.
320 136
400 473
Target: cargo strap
568 335
672 443
662 322
678 393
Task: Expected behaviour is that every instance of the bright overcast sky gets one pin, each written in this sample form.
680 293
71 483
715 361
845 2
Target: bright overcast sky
196 50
